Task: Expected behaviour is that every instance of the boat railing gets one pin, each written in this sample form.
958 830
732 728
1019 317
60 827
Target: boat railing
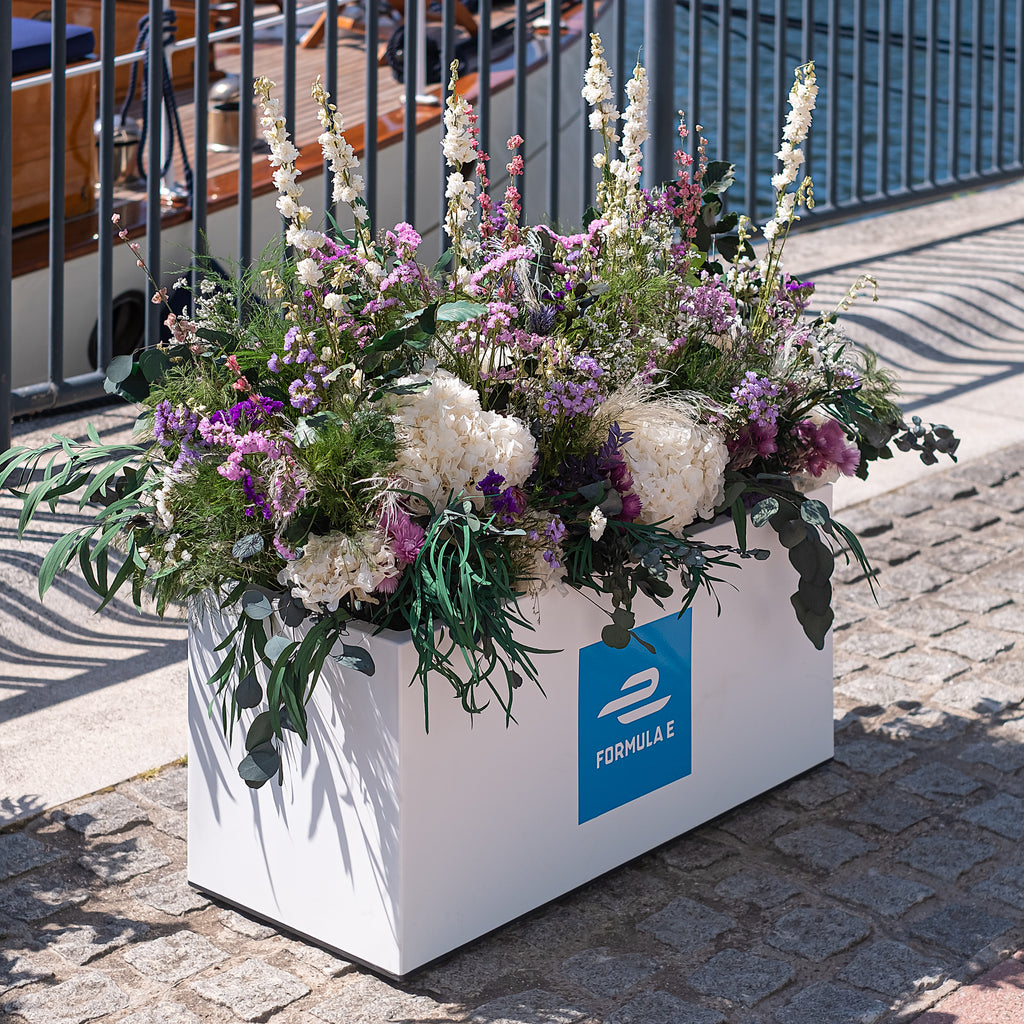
917 98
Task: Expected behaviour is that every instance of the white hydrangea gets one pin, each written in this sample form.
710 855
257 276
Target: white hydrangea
450 444
678 466
336 565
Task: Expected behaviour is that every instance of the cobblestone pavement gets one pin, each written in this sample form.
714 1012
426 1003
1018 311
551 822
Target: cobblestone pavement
860 892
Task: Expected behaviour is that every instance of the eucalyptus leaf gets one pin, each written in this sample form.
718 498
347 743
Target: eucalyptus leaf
275 647
248 693
792 532
291 612
615 636
260 731
763 511
261 764
153 363
624 617
256 604
119 369
355 657
815 512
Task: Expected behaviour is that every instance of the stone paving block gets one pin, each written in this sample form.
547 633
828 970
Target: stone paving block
1005 885
871 757
889 812
20 852
742 977
874 644
326 963
172 958
82 943
901 505
888 894
103 816
924 618
172 823
755 823
1010 579
960 927
603 972
686 925
916 577
1009 672
868 520
691 854
820 786
973 599
245 925
533 1007
761 888
1008 498
962 556
1003 814
927 666
817 933
893 551
252 990
662 1008
19 967
843 666
1010 619
1006 537
926 533
969 515
882 597
364 999
836 1004
82 998
164 1013
876 688
975 644
938 780
984 473
168 789
121 862
32 899
891 968
823 846
171 894
929 724
1003 756
945 857
980 694
846 615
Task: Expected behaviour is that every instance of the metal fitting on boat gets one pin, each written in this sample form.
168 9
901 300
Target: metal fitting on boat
126 148
222 124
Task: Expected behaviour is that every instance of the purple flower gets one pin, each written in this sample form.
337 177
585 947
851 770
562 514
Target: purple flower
824 445
757 395
491 484
406 535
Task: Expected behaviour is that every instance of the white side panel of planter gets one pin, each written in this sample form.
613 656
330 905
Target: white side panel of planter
396 846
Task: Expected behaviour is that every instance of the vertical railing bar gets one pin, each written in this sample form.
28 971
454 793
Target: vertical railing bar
554 109
105 199
857 114
693 79
953 143
447 56
6 230
483 89
752 91
245 141
154 156
370 120
619 55
832 107
660 50
931 100
409 128
586 160
519 113
288 45
907 104
722 119
58 116
882 106
331 82
200 168
807 34
998 85
1018 90
780 72
977 78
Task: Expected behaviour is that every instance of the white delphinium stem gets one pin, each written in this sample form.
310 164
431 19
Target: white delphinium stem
460 149
348 186
282 158
597 91
634 131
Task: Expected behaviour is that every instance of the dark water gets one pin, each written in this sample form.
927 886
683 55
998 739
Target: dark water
923 139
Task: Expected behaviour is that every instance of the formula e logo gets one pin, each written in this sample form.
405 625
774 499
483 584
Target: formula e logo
634 717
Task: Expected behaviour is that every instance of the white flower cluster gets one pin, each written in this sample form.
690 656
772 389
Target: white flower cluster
597 91
678 466
450 444
798 122
348 186
459 149
634 131
282 158
337 565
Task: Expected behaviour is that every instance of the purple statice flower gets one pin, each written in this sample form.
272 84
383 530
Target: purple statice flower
289 338
274 363
555 530
491 484
574 398
757 395
256 499
709 301
823 445
845 378
302 393
173 425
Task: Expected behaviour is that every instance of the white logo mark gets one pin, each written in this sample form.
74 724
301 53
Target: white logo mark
636 697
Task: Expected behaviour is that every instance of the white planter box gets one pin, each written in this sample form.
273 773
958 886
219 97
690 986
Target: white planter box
393 846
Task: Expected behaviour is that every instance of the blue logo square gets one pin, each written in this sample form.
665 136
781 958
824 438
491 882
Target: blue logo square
635 716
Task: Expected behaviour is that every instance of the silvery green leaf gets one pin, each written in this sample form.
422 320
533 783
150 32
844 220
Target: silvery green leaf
261 764
355 657
247 546
256 604
276 646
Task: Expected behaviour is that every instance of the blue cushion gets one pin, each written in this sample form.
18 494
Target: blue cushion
30 44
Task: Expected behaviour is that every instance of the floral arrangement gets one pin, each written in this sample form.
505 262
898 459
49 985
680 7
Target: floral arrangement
345 434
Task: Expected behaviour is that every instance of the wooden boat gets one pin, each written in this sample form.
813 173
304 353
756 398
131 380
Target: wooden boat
31 240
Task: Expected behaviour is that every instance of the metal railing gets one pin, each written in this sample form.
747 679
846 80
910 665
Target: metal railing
917 97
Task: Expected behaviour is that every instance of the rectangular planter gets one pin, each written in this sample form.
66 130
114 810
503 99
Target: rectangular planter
394 846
